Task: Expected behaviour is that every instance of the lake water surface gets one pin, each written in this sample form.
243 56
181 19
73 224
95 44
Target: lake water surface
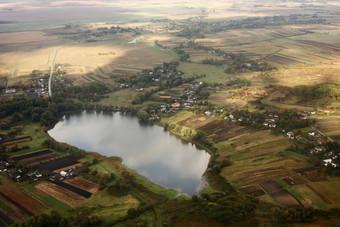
161 157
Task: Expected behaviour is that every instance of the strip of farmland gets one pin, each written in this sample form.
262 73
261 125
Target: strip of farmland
70 198
17 204
72 188
5 218
57 164
86 185
16 139
37 159
31 155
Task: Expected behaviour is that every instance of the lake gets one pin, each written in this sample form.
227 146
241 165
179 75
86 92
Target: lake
154 153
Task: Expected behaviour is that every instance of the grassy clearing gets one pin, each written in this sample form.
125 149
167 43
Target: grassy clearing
169 193
297 155
108 207
119 98
101 167
308 197
214 74
180 116
57 203
26 151
329 189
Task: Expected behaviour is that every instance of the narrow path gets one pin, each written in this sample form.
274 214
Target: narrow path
322 133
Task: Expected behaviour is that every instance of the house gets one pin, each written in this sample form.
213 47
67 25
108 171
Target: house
63 173
272 125
165 97
10 91
313 151
207 113
318 149
328 161
311 133
176 104
290 135
37 174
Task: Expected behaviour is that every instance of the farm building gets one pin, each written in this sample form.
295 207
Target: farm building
176 104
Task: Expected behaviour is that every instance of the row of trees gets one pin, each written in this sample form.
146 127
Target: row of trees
316 91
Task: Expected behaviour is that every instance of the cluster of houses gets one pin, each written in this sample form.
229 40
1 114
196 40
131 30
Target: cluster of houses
64 174
9 168
37 88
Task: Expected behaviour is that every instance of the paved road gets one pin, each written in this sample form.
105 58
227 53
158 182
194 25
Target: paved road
51 74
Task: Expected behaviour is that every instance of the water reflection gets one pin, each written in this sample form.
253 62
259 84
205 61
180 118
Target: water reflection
150 150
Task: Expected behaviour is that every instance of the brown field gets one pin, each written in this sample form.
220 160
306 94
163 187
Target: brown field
83 184
253 190
270 186
23 200
314 176
37 159
285 198
282 60
294 180
23 37
252 176
67 168
327 190
329 125
83 58
196 122
13 212
335 138
70 198
270 138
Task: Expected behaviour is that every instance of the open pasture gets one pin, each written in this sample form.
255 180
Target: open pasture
237 97
214 74
24 37
89 61
110 207
281 45
120 98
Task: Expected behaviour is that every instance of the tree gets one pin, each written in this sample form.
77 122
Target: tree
35 117
48 119
143 116
16 117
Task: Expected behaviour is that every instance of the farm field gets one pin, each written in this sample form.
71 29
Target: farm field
83 184
260 164
272 157
68 197
330 126
121 98
214 74
91 59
